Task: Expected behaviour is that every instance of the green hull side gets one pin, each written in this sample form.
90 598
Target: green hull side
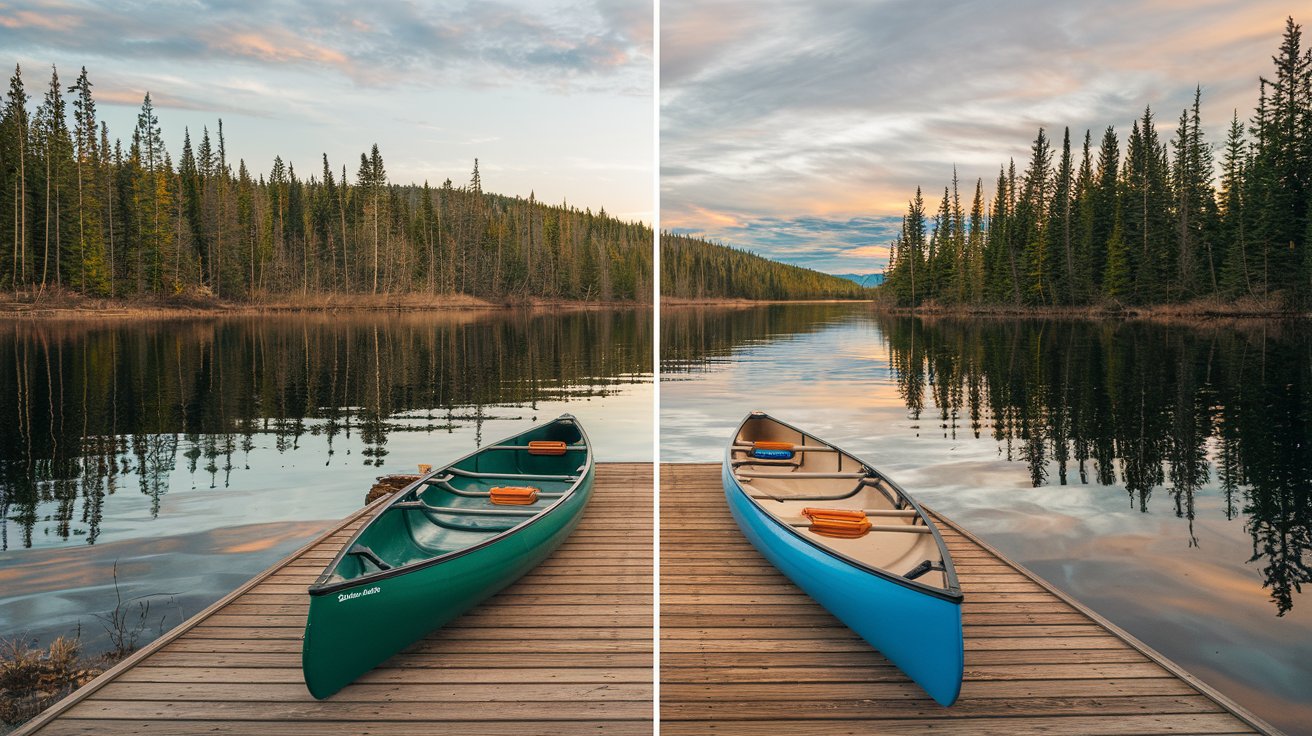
351 631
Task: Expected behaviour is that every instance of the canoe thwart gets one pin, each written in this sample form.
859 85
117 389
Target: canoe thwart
464 511
874 528
517 476
748 475
445 484
568 448
786 463
781 446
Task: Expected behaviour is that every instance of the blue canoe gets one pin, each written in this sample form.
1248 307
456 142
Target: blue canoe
855 542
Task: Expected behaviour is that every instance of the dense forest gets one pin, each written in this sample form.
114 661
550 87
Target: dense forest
83 211
692 268
1152 227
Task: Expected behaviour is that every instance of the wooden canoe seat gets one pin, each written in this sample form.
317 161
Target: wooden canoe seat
841 523
546 447
513 495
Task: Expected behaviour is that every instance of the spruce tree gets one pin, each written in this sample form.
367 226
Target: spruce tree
1236 279
1032 221
91 267
15 152
1060 245
1086 280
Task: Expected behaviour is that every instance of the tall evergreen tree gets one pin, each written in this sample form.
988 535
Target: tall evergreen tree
1061 226
15 154
1032 222
1236 278
90 261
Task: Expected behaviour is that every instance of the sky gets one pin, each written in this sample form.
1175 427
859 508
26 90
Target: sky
553 97
801 129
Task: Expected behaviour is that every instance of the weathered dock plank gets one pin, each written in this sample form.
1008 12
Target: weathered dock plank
744 651
235 667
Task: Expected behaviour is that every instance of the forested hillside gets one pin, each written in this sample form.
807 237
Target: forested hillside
692 268
82 210
1080 224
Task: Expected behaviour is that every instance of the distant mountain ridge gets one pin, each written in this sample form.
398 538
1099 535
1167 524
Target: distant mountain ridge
693 268
863 279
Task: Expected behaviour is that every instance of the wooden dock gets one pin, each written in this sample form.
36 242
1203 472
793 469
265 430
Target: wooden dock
744 651
565 650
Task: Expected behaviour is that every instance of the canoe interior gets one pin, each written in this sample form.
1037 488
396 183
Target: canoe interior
896 552
404 536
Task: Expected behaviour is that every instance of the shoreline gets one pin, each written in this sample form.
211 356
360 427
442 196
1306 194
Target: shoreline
670 301
1195 312
54 306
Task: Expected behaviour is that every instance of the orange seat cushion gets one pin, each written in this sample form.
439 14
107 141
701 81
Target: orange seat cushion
841 523
514 495
546 447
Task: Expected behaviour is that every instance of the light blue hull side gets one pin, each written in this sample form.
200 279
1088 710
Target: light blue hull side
917 631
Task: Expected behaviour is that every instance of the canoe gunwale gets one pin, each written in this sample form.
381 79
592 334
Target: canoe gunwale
952 593
321 589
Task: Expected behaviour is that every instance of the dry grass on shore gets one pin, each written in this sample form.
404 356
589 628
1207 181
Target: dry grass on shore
33 679
1208 310
55 303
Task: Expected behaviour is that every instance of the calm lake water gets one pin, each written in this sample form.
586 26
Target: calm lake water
194 454
1162 475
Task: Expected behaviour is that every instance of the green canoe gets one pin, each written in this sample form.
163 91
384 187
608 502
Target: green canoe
440 546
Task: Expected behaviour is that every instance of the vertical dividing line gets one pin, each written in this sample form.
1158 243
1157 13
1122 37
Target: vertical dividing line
656 366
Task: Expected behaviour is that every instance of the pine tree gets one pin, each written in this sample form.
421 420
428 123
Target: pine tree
913 244
15 152
1086 280
91 267
151 193
1146 208
1105 199
1060 233
1195 206
1282 165
1116 279
189 174
1235 276
940 260
975 247
55 147
1032 221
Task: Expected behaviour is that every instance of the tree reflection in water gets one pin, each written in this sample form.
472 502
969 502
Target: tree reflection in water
1165 403
87 408
1152 408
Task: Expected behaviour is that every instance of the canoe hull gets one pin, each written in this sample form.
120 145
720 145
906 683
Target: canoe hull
352 630
918 632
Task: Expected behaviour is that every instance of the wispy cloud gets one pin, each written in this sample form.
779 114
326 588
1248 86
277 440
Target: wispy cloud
584 45
552 96
839 108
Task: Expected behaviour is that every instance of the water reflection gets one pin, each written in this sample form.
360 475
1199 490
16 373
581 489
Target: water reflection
1147 408
1145 405
89 412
